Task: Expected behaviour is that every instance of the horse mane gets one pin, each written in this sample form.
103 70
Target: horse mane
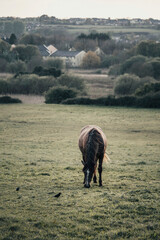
95 144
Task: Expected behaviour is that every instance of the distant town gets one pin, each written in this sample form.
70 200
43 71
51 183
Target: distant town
36 22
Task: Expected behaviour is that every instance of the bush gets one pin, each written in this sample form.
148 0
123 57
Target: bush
91 60
26 52
4 87
58 94
114 70
31 38
72 82
156 68
53 63
3 65
141 66
31 84
47 72
126 84
7 99
148 88
149 101
16 67
34 84
109 60
133 65
149 48
85 101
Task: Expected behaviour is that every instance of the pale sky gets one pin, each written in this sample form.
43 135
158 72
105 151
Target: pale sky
81 8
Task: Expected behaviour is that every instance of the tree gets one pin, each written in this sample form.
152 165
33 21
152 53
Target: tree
13 39
16 67
4 47
8 28
58 94
25 53
149 49
34 39
91 60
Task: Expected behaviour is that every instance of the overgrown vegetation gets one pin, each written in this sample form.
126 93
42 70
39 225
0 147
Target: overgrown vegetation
128 84
38 85
59 94
122 54
7 99
147 101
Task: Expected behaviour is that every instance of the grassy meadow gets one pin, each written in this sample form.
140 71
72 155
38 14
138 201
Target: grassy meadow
76 29
39 157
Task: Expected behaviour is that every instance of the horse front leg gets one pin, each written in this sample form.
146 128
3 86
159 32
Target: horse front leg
100 170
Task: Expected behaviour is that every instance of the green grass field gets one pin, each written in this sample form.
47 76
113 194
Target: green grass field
77 29
39 154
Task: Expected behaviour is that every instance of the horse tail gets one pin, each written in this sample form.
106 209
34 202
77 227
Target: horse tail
106 158
95 141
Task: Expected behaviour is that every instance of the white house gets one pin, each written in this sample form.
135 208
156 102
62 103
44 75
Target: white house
70 58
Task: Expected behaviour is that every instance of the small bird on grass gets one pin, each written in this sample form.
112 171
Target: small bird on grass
57 195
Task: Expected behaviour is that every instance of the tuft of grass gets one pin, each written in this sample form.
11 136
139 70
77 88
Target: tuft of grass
40 156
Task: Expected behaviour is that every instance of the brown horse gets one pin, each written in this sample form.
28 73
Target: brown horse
92 144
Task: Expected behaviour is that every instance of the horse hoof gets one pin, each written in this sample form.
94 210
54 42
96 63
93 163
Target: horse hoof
87 186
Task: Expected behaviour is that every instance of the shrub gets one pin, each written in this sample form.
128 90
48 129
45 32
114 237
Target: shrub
109 60
26 52
149 48
31 84
31 38
145 69
133 65
149 101
85 101
156 67
114 70
53 63
7 99
47 72
4 87
16 67
148 88
58 94
3 65
72 82
126 84
91 60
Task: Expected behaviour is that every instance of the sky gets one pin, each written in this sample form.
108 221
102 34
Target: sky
81 8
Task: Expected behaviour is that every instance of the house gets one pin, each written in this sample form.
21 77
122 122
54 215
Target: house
51 49
46 51
70 58
43 51
99 52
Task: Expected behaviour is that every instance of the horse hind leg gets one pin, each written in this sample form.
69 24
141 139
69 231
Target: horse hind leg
100 170
94 174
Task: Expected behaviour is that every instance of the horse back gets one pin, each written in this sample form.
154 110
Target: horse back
84 136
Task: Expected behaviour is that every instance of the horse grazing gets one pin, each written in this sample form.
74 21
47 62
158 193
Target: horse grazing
92 144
